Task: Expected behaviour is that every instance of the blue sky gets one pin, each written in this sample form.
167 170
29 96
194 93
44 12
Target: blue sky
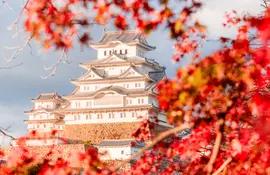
20 84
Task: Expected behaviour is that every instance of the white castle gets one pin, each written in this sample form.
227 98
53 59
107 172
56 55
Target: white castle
109 101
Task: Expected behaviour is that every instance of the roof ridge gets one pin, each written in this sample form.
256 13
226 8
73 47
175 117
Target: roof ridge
123 31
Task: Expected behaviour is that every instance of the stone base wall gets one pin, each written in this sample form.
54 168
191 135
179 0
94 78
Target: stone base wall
98 132
95 133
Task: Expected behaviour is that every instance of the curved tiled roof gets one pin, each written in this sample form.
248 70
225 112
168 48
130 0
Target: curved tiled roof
48 96
158 75
119 142
65 151
128 36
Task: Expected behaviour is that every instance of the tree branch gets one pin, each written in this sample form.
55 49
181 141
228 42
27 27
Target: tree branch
160 137
20 15
7 135
19 48
55 66
220 169
11 67
209 166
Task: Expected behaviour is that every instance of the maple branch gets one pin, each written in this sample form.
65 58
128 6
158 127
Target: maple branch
160 137
11 67
209 166
19 48
20 15
223 166
7 135
55 66
264 3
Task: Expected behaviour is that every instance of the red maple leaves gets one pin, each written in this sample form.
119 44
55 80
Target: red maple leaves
225 96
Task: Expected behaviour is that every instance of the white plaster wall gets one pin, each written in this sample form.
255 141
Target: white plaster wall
132 116
131 50
116 101
117 70
137 101
43 115
127 85
47 128
114 152
44 105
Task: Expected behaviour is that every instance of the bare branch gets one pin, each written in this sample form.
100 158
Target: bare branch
19 17
223 166
7 135
160 137
55 66
264 3
19 49
11 67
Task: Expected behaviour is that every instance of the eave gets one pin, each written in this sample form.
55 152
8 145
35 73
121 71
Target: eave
147 107
115 79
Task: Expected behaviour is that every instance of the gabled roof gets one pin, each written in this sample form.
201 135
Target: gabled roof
48 97
99 72
127 37
131 68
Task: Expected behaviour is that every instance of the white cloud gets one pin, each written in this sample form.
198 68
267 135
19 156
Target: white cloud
213 13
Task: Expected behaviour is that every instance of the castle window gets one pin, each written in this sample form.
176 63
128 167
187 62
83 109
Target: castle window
105 53
121 52
77 104
135 84
121 115
110 52
139 101
126 51
86 116
44 125
127 85
110 115
142 100
133 114
122 152
99 116
37 126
